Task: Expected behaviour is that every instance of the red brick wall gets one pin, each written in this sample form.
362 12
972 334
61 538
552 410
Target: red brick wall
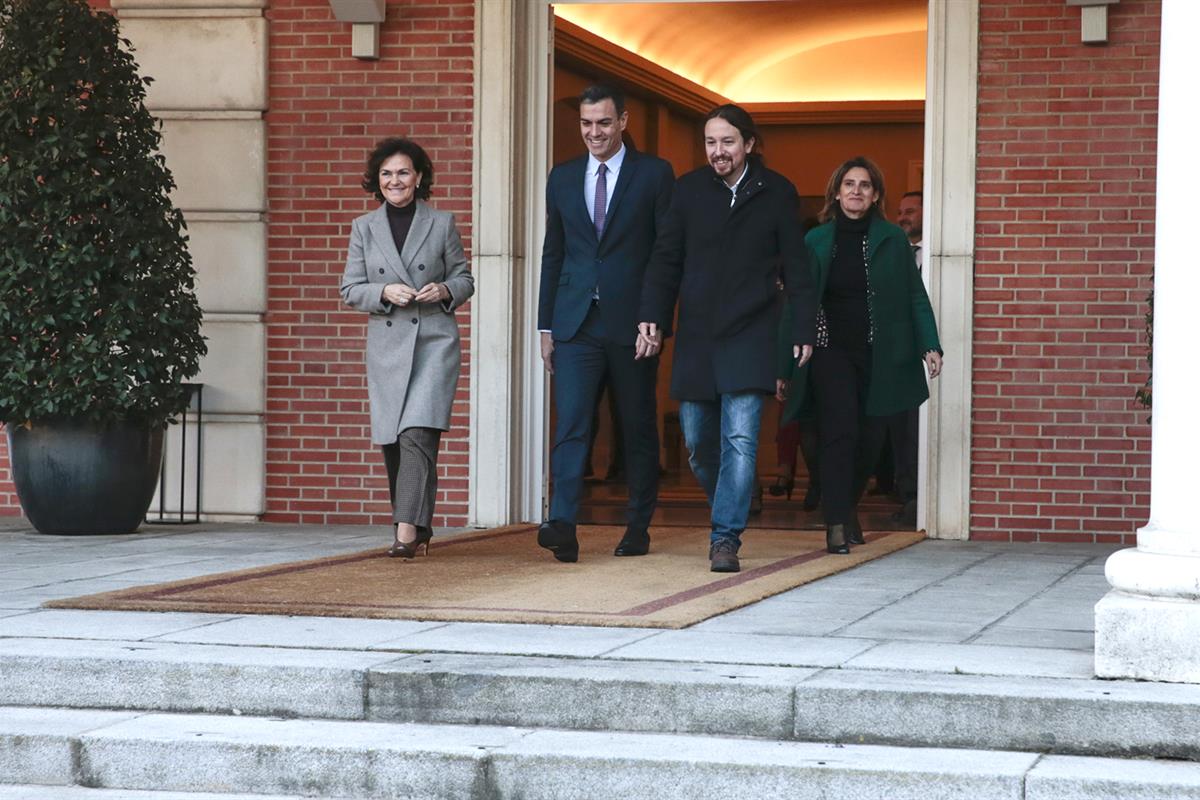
1064 257
327 110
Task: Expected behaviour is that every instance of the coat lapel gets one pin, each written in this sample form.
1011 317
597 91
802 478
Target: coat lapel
578 184
381 232
417 234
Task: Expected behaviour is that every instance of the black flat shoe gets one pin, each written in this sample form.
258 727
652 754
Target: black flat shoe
633 543
835 540
756 501
854 531
783 485
559 539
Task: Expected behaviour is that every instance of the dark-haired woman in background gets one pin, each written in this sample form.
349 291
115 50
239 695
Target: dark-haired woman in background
407 270
875 326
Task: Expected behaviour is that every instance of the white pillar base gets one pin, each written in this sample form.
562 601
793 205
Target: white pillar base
1150 637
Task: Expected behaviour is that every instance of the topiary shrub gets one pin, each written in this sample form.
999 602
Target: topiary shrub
98 315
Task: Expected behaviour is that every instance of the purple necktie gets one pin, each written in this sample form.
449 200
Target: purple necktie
600 202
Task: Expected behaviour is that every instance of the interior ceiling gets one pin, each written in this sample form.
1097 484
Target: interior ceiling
774 51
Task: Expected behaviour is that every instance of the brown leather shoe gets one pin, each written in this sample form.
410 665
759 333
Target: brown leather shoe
722 555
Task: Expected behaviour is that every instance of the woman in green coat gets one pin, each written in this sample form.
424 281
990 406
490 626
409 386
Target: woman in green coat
875 327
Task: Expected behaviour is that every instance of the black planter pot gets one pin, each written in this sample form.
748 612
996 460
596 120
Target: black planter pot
82 478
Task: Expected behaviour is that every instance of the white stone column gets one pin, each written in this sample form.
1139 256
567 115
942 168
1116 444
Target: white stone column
1148 626
208 59
508 385
952 78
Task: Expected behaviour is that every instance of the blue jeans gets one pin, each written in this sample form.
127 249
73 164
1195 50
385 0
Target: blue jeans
722 442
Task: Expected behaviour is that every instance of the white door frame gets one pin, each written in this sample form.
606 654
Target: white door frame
509 419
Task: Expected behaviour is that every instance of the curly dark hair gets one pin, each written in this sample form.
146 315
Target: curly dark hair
388 148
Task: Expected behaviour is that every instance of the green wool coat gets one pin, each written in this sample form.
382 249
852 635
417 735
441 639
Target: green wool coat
901 317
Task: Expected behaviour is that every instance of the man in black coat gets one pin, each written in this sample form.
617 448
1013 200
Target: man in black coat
603 212
733 229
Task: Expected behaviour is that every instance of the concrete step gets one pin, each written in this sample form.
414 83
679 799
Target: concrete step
331 758
1064 716
31 792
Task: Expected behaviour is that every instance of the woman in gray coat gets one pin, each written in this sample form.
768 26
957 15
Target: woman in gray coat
407 270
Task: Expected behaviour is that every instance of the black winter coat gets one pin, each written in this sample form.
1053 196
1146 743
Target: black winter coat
721 264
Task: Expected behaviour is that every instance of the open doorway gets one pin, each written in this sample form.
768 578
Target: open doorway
824 82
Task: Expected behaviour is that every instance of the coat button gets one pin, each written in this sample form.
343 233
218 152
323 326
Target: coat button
421 267
414 320
389 323
381 270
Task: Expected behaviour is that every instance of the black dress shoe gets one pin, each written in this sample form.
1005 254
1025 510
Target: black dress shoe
812 498
634 543
854 531
559 538
835 540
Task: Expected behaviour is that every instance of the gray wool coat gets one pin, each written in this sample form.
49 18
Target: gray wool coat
413 354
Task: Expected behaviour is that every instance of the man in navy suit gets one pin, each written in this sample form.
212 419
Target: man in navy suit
603 211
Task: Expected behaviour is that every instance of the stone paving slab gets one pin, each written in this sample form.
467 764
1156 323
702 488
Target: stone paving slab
534 640
556 765
1073 778
177 677
327 633
37 745
1055 638
587 694
1107 718
367 760
974 659
29 792
307 757
116 625
744 648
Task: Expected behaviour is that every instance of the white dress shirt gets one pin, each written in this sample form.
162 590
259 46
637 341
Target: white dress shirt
589 180
734 188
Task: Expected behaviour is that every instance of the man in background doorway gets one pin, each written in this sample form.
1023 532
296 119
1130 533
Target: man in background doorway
908 217
603 212
903 427
733 227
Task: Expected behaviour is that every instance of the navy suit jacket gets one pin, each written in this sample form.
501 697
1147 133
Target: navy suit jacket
575 263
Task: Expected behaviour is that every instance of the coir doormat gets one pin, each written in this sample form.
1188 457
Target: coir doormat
501 575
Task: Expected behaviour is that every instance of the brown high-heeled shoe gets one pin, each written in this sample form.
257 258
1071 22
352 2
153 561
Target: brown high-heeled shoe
408 550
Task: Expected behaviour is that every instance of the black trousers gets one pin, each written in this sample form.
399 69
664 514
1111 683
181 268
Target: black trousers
580 366
850 440
903 431
412 475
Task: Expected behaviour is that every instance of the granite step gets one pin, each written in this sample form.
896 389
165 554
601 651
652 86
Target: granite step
32 792
234 755
853 706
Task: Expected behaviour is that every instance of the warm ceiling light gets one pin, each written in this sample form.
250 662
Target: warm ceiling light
803 51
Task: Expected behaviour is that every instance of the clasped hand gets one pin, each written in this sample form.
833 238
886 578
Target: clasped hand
401 294
649 340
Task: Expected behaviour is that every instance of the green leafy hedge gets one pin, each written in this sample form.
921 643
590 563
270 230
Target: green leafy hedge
98 316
